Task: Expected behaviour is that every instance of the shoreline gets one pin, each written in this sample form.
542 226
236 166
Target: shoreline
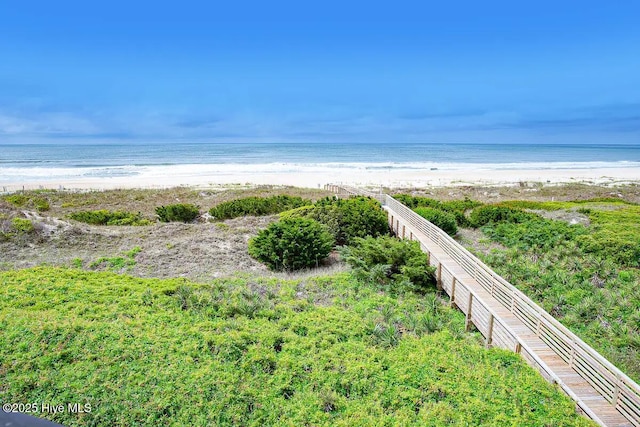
317 178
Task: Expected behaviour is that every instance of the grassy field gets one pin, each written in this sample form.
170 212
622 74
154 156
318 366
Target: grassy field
250 350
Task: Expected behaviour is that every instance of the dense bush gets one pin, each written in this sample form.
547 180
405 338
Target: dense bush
179 212
444 220
347 218
257 206
496 213
105 217
455 207
292 244
396 265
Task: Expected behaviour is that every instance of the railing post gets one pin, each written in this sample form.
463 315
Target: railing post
439 277
403 230
452 297
518 348
489 339
572 355
616 391
467 322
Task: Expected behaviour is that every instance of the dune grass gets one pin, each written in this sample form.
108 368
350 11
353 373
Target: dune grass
587 277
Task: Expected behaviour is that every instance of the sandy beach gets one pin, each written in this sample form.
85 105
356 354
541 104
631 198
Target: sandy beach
315 176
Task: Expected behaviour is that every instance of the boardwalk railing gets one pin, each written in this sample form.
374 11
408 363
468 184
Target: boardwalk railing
612 384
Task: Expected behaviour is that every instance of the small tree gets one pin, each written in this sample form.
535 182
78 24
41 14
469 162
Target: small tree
292 244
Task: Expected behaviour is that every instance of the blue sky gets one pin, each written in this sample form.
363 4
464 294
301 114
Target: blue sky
455 71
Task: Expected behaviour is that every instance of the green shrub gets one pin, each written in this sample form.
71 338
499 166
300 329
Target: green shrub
496 213
21 200
105 217
17 200
460 205
117 263
257 206
417 202
41 205
348 218
623 248
614 234
300 212
455 207
396 265
179 212
292 244
444 220
22 226
534 233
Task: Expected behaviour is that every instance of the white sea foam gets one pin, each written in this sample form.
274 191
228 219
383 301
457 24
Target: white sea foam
13 174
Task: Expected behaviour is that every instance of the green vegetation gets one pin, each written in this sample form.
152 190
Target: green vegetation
33 201
115 264
394 265
553 206
105 217
457 208
325 351
492 214
615 234
305 235
347 219
441 219
179 212
257 206
292 244
22 226
537 233
15 227
581 275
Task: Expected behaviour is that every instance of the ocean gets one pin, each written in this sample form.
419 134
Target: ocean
23 164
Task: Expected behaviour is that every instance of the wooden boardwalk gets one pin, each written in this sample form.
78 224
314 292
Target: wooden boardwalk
509 319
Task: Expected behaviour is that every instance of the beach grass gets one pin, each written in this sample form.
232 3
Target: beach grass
249 350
